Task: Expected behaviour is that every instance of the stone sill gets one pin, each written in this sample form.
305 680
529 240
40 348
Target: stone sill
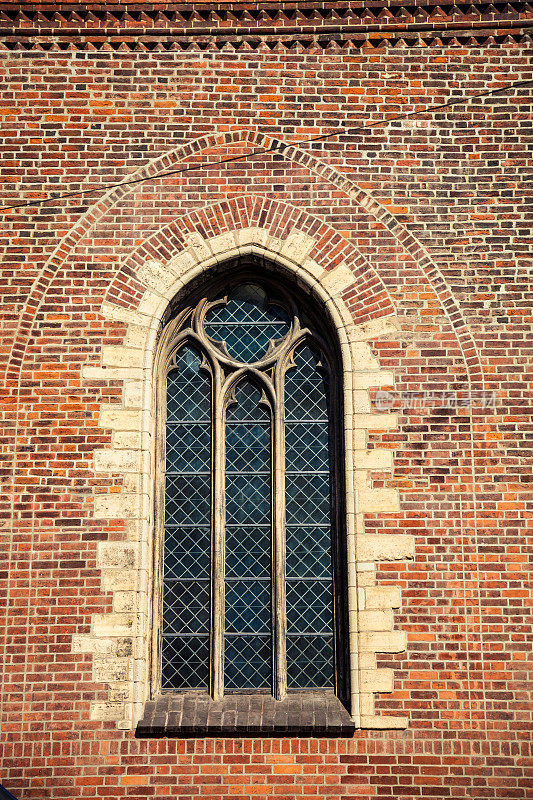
194 714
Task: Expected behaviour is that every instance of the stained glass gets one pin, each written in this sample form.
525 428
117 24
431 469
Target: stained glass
247 659
247 323
308 525
186 576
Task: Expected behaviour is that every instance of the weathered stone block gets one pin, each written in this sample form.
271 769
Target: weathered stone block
382 597
156 275
113 624
337 280
119 579
297 247
385 547
383 642
118 418
106 711
373 459
112 669
116 554
117 460
374 501
385 722
363 360
377 680
375 620
117 506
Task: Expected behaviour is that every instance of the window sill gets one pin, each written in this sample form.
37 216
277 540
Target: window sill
195 715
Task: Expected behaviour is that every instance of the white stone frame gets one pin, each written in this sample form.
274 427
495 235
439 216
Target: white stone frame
119 641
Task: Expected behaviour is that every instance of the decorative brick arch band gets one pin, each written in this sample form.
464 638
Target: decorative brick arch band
281 220
121 639
256 142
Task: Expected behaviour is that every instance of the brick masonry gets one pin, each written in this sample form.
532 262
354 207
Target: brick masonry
414 234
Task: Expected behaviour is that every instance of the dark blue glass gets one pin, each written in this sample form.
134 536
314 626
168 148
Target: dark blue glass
308 525
185 662
247 651
186 575
247 662
247 323
306 389
188 447
188 395
308 551
310 661
248 551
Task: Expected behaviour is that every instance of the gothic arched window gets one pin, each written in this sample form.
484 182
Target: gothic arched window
252 576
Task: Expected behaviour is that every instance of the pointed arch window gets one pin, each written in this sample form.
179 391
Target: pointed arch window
252 577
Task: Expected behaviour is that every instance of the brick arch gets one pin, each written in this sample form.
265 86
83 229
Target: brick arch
261 143
329 249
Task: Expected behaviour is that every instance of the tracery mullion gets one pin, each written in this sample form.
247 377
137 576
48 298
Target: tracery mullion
278 540
218 538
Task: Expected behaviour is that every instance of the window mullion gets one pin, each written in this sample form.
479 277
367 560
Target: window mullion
279 616
218 540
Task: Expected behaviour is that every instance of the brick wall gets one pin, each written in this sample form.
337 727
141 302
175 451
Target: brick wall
428 211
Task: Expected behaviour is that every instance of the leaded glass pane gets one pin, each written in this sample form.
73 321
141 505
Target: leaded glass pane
247 662
309 661
306 389
309 606
185 662
186 575
247 658
247 323
187 552
248 551
248 448
308 551
247 606
247 498
188 447
307 447
307 499
188 396
308 525
185 607
187 499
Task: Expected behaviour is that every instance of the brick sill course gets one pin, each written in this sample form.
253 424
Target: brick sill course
195 714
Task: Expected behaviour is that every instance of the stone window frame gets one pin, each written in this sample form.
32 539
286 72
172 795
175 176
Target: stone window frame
170 341
119 640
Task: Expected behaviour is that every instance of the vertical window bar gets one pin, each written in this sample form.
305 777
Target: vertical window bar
218 540
279 616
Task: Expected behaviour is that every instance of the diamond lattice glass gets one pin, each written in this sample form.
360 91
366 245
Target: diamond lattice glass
308 525
247 323
248 511
186 578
